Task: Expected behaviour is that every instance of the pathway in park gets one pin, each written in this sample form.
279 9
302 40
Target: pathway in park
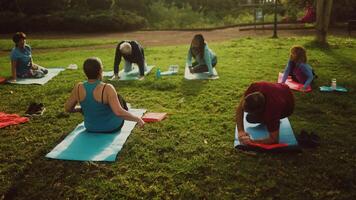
165 38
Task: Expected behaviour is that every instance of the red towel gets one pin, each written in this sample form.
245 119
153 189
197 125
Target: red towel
11 119
268 146
2 80
154 117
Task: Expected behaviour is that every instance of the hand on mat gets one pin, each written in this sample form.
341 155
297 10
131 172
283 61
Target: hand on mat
140 123
244 138
115 77
11 80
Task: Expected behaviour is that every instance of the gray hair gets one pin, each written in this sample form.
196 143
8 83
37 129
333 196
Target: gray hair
125 48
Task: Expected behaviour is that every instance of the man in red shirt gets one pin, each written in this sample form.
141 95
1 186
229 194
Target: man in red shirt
264 103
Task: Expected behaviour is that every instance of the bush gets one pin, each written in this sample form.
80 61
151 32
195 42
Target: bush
72 20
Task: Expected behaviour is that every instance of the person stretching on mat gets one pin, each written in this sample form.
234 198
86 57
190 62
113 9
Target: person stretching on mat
22 64
205 59
264 103
103 109
132 52
298 68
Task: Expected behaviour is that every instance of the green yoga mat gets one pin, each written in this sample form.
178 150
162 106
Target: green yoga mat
52 72
199 76
128 76
85 146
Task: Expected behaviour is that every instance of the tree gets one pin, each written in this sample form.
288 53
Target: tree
323 12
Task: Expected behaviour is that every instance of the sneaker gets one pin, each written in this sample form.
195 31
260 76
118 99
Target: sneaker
308 140
35 109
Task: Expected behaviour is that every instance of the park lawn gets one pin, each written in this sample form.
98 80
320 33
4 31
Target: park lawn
190 154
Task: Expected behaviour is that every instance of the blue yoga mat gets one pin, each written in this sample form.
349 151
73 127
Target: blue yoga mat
259 131
52 72
85 146
330 89
199 76
128 76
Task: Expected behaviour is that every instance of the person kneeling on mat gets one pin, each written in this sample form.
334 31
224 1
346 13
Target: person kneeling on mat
264 103
205 59
132 52
22 64
103 109
297 67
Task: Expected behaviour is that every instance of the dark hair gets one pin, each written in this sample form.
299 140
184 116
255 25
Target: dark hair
201 42
17 36
92 67
254 103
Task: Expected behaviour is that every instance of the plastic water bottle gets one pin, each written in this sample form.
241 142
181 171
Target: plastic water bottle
333 83
158 73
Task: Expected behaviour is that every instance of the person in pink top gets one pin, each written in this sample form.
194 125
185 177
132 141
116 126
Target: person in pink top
310 14
264 103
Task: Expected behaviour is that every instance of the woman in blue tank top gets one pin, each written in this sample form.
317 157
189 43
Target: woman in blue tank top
103 110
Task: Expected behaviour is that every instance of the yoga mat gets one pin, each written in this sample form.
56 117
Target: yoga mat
292 84
172 70
199 76
11 119
132 75
330 89
259 131
85 146
52 72
154 117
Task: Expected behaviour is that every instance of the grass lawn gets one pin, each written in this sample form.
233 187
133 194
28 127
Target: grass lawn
190 154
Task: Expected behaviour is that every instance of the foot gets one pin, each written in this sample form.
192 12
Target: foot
115 77
141 78
191 70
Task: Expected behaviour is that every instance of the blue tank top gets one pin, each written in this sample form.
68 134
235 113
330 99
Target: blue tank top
98 117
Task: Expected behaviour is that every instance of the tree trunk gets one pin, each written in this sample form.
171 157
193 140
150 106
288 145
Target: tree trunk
323 11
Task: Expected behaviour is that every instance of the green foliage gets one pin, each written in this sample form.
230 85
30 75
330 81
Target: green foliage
73 20
163 16
190 154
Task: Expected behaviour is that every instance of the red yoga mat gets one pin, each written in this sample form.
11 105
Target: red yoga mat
268 146
292 84
11 119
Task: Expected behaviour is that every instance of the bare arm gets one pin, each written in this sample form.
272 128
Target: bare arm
242 135
118 110
72 101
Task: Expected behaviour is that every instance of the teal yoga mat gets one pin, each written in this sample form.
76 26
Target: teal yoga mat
132 75
199 76
85 146
259 131
330 89
52 72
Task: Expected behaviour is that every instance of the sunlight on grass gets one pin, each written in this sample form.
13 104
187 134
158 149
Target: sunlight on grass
190 154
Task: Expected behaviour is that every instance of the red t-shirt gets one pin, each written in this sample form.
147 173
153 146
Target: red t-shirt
279 102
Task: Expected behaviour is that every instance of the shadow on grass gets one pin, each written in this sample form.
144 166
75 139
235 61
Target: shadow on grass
57 178
192 87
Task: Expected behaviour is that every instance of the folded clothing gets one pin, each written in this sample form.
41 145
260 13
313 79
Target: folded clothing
11 119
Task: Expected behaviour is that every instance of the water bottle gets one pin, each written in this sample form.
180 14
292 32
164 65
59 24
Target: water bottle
333 83
158 73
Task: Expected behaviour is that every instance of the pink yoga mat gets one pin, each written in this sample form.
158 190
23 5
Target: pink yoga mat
292 84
